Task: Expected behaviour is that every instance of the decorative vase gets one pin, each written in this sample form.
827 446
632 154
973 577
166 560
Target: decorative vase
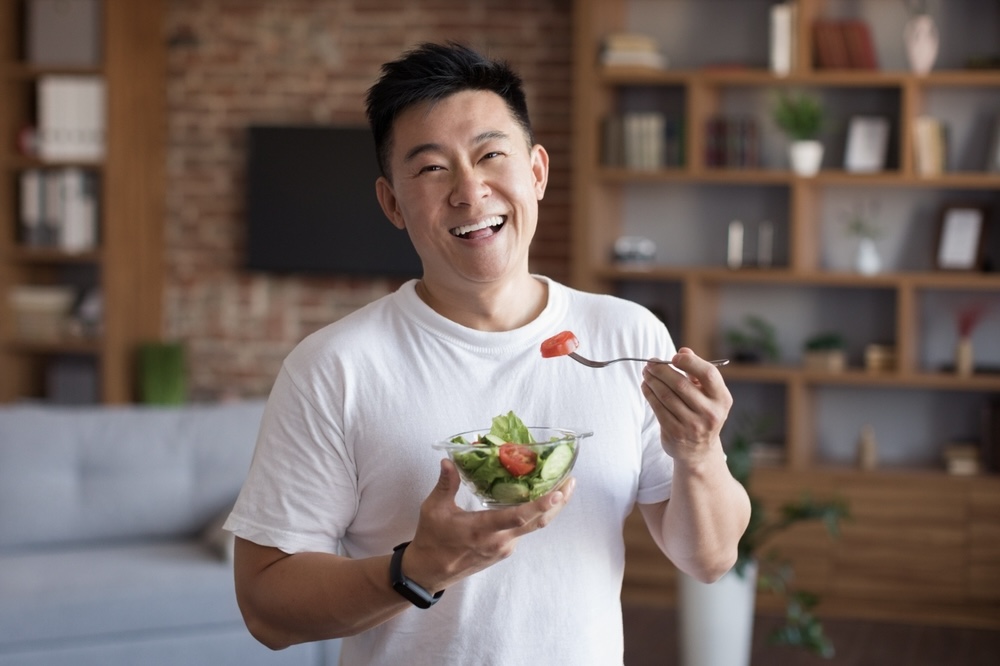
716 620
964 359
805 157
867 260
921 37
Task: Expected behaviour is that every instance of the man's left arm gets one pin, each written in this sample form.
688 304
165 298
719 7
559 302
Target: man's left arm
699 527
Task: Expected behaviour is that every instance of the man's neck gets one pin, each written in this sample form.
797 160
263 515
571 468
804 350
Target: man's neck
501 307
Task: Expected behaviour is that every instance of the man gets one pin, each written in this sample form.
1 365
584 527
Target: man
344 471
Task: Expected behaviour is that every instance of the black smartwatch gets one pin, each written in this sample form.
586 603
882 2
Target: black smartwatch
412 592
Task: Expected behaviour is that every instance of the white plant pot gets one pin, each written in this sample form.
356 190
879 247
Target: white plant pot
867 261
716 621
805 157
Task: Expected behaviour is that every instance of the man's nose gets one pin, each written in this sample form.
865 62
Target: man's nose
468 187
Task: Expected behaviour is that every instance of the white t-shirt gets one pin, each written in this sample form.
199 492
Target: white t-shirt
344 459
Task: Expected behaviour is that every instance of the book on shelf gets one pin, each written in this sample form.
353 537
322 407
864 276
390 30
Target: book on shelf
59 209
732 142
627 49
642 140
844 44
929 146
861 52
71 117
783 44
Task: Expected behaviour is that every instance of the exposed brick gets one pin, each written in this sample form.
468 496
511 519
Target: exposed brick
233 63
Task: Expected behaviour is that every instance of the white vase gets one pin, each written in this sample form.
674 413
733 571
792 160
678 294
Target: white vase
867 260
716 620
805 157
921 37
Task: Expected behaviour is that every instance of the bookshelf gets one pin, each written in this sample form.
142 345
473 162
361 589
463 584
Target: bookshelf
921 540
125 264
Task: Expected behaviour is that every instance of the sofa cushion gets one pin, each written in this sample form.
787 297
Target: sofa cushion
98 473
65 594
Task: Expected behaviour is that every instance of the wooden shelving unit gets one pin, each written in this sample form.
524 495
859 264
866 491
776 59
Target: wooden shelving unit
921 541
127 265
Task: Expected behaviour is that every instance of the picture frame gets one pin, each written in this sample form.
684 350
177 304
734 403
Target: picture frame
993 160
867 144
961 237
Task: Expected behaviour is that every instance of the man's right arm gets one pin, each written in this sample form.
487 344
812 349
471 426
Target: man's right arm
288 599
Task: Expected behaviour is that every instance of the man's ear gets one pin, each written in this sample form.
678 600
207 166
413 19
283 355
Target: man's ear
387 200
540 168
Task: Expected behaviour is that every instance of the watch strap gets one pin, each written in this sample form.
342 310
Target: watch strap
409 590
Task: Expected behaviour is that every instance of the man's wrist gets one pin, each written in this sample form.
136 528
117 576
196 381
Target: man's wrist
409 590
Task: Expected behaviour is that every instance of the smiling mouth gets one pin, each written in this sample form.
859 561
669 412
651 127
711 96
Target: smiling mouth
489 224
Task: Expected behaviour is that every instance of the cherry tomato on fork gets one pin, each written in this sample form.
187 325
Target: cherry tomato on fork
560 344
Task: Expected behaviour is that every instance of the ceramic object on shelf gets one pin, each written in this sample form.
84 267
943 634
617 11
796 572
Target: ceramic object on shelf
867 260
805 157
921 38
964 357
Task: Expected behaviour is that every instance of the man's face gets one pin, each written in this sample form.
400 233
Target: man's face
465 186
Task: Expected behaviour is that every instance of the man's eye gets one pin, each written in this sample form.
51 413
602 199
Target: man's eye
430 167
491 154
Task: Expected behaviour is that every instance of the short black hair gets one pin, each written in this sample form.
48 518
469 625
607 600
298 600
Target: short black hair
431 72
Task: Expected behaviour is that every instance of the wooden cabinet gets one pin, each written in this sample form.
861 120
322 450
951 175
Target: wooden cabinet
126 265
918 545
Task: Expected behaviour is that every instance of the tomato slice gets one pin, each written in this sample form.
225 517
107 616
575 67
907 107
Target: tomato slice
560 344
516 459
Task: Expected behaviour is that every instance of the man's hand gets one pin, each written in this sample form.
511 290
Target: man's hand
691 406
451 543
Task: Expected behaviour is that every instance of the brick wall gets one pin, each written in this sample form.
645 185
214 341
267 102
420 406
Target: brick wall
233 63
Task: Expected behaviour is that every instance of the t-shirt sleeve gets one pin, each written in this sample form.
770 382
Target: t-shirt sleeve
301 490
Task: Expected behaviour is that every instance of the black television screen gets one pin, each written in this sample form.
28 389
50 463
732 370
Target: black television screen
311 205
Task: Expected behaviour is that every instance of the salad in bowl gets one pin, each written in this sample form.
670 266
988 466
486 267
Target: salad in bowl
512 463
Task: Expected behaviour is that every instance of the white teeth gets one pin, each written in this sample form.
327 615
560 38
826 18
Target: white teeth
494 221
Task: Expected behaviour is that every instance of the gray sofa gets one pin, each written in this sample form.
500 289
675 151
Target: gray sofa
111 548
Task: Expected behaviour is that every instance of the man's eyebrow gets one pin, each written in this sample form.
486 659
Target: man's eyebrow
422 148
431 147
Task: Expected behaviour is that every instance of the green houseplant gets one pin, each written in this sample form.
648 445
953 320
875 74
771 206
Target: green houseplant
755 341
825 351
801 627
800 117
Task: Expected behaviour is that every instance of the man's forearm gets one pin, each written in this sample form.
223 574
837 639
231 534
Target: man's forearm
291 599
704 519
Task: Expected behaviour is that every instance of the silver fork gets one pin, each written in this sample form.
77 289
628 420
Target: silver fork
600 364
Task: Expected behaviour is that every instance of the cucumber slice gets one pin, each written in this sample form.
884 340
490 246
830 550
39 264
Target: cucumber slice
507 492
494 440
558 461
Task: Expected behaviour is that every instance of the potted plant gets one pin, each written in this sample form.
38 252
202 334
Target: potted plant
800 117
754 342
717 619
860 224
825 352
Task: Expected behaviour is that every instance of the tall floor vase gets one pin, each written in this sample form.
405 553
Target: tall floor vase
716 620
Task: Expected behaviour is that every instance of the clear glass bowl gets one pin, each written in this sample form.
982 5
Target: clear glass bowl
504 474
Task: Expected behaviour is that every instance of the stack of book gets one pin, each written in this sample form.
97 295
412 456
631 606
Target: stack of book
930 143
71 117
59 209
643 140
844 44
732 142
627 49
